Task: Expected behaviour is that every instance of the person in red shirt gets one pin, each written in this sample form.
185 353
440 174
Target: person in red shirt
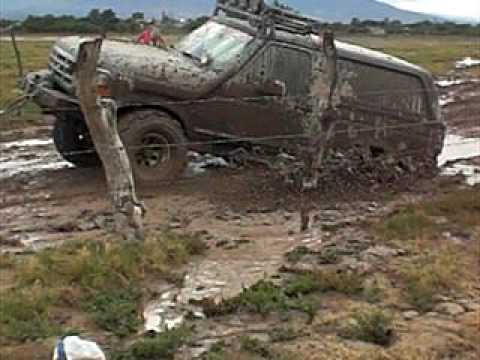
151 36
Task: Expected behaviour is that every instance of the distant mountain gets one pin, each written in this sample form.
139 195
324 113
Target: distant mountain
328 10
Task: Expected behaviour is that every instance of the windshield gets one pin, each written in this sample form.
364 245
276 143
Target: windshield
219 42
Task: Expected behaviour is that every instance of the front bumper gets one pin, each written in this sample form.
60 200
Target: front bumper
41 87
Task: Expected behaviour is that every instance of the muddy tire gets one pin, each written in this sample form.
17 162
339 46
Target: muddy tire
73 142
156 146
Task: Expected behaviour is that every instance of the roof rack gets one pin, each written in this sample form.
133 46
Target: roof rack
262 15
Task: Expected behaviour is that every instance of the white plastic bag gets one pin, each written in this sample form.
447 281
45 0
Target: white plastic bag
74 348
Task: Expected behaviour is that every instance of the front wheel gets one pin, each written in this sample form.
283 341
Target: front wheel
156 146
72 140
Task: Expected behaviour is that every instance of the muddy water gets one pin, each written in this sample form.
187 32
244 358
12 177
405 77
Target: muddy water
458 150
29 157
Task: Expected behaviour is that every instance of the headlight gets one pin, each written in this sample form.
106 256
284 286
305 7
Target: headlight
103 84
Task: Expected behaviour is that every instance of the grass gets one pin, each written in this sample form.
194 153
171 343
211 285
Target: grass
458 210
162 346
407 224
372 326
263 350
435 53
266 297
246 348
35 57
105 280
347 283
432 274
25 316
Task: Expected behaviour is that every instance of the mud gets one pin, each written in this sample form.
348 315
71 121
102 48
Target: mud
44 200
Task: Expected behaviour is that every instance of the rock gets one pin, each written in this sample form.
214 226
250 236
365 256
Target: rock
449 308
469 305
410 315
382 252
442 299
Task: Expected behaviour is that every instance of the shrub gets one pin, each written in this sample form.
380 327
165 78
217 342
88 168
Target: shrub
374 326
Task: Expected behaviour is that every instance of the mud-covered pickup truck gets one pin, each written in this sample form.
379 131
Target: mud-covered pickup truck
251 75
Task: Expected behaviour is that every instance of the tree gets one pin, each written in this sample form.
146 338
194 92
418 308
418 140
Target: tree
102 125
108 18
138 16
94 16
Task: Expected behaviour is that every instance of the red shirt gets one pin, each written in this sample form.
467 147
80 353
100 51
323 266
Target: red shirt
146 37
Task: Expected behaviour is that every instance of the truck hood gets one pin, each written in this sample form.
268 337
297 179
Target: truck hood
147 69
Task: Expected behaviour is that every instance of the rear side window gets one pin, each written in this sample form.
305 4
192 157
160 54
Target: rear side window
291 66
384 88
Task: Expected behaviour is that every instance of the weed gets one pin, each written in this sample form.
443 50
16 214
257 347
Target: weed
161 346
266 297
374 326
7 261
373 292
262 350
101 278
297 254
216 352
347 283
116 310
431 275
407 224
283 334
25 316
255 346
460 207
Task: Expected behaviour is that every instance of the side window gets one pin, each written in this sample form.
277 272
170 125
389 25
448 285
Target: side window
291 66
276 62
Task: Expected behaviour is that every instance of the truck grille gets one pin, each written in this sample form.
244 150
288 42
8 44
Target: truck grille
61 65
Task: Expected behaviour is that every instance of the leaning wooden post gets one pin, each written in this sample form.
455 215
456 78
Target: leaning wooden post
322 124
100 117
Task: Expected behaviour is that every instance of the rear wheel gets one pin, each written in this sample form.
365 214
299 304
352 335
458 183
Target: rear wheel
156 146
73 141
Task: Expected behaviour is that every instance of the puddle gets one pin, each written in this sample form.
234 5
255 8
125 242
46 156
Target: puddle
26 143
457 148
29 156
466 63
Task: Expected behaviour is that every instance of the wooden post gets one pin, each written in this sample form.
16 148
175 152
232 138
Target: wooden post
322 133
100 117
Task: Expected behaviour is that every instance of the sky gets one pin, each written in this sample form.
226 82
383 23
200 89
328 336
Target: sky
457 8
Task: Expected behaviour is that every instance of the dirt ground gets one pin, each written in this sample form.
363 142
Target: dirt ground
250 222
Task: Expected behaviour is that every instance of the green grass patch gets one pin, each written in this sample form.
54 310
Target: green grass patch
432 274
454 210
348 283
106 280
407 224
35 57
373 326
435 53
162 346
116 311
266 297
460 207
25 316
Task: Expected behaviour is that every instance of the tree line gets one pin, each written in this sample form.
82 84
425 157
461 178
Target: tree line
397 27
102 21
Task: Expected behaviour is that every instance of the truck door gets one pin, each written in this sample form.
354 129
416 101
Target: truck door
260 100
